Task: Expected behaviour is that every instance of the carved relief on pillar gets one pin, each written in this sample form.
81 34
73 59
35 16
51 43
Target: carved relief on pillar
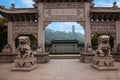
103 27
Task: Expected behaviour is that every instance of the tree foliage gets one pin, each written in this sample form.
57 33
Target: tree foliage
60 35
3 34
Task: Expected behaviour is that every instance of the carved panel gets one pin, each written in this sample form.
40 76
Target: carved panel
103 27
25 28
64 14
67 12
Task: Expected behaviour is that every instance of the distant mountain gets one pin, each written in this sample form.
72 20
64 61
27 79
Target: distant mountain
62 35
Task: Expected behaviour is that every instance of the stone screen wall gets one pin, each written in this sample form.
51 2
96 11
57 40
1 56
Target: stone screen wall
64 48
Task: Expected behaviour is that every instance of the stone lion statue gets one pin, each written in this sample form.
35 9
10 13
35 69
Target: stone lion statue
24 49
103 47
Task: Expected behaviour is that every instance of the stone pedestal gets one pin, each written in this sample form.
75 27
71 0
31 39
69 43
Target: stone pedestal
116 56
104 63
87 57
7 49
7 58
42 57
24 64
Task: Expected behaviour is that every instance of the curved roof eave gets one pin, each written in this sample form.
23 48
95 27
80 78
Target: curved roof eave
105 10
18 10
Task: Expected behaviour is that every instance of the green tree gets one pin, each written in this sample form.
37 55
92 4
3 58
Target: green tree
3 34
94 40
51 34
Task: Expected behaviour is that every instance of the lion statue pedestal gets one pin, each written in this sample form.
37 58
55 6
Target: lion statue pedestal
7 49
25 61
103 59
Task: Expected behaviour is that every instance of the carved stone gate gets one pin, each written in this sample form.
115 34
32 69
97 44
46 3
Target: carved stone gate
33 20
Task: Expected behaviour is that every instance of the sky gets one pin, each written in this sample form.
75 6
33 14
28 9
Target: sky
58 26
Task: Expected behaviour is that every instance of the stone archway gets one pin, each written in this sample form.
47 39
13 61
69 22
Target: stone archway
33 20
78 12
63 31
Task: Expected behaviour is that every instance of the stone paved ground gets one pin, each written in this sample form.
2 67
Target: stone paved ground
60 69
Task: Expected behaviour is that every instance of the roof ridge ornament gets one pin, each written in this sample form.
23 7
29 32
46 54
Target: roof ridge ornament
115 6
12 6
2 7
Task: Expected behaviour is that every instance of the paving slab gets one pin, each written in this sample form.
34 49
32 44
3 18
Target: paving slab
60 69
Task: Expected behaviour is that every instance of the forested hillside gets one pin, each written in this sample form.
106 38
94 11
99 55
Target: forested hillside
59 35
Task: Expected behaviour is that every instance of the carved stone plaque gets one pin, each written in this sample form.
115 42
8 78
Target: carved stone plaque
63 12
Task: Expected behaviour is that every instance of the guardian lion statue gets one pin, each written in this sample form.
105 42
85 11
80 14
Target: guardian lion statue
24 49
103 47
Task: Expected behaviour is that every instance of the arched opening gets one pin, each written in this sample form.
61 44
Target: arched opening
33 41
64 37
94 41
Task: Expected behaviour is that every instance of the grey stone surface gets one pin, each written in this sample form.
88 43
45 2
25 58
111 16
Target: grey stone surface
87 57
7 49
60 69
42 57
9 58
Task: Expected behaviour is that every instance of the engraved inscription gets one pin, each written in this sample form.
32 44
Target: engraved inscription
64 12
64 15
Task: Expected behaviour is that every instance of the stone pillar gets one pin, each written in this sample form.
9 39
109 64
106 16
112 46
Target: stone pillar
87 25
10 36
40 26
14 49
117 33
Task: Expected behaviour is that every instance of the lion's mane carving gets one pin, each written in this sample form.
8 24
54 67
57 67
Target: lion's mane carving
24 49
103 47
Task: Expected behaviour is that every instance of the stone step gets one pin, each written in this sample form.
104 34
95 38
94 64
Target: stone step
64 56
